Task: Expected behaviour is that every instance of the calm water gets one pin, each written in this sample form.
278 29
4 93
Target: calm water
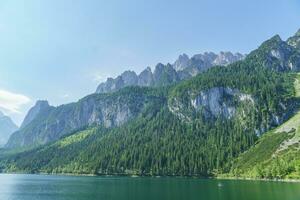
31 187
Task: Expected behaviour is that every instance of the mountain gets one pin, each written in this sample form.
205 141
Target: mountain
278 55
40 107
210 124
45 123
183 68
7 127
193 128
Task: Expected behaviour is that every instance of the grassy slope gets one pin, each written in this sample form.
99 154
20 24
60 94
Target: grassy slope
276 154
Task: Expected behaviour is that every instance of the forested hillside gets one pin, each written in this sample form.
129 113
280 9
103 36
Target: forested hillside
160 142
198 127
276 154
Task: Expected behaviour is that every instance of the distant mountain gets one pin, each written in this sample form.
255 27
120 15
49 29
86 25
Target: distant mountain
183 68
7 127
45 123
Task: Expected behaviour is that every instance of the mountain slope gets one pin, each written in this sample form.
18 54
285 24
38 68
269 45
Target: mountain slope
162 140
276 154
278 55
108 110
7 127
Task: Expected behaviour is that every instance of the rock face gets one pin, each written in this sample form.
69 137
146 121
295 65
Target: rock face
7 127
219 101
45 124
183 68
212 103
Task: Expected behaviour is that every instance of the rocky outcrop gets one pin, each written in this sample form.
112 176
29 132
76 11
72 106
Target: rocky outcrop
212 103
7 127
183 68
219 101
107 110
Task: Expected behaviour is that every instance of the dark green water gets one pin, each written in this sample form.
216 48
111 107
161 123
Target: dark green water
32 187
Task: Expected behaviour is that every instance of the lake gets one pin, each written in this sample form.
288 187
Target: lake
32 187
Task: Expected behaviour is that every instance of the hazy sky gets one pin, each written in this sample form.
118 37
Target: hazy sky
60 50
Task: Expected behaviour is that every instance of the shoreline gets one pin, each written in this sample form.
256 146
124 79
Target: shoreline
158 176
258 179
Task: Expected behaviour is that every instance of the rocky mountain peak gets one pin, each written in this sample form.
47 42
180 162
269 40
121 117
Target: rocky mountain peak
42 103
129 77
276 38
278 55
182 62
226 58
145 78
39 107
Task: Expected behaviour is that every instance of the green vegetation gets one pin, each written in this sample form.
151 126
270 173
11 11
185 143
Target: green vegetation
276 155
157 141
158 145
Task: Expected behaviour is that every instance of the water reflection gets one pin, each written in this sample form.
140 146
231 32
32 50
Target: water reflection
31 187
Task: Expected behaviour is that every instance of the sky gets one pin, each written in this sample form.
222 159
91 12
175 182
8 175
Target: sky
60 50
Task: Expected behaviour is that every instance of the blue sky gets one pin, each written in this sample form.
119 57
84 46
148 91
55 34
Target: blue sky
60 50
